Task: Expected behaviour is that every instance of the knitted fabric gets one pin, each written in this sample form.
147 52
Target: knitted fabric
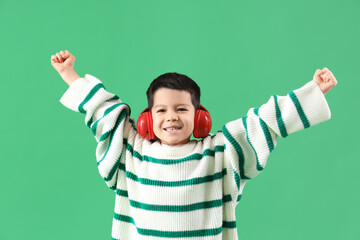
187 191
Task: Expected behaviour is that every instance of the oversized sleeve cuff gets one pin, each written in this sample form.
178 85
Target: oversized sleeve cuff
78 90
310 104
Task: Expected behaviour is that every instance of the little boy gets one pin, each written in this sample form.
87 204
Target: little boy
171 187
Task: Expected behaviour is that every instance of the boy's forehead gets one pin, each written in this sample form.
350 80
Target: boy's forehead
171 93
165 96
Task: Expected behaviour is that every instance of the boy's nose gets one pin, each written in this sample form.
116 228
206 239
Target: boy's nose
172 116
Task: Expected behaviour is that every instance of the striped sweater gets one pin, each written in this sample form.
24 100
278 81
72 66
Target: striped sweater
186 191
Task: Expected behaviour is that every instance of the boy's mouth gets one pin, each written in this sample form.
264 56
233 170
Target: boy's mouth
172 129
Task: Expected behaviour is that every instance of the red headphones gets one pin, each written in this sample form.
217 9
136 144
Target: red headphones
202 124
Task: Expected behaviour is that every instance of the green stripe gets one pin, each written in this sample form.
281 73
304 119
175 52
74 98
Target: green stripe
239 197
89 96
115 166
107 111
117 124
117 98
299 109
237 179
173 234
181 183
88 124
238 149
105 135
267 134
122 166
132 123
181 208
114 98
122 193
229 224
124 218
195 156
169 234
265 130
258 165
279 119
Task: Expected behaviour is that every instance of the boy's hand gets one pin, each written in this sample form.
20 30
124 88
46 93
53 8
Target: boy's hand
64 62
324 79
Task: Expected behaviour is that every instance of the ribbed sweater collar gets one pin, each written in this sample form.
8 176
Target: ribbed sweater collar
160 150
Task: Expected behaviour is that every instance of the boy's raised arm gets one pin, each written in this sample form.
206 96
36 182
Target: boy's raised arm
251 139
106 116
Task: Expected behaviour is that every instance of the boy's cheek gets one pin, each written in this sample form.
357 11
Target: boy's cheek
156 130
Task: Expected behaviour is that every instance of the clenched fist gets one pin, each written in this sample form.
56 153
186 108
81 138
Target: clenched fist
324 79
63 61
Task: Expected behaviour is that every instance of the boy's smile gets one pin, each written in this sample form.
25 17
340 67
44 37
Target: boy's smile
173 116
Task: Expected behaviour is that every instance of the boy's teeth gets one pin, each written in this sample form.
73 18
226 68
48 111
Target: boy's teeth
172 129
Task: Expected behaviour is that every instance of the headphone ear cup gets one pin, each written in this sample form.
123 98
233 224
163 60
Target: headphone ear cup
144 125
202 123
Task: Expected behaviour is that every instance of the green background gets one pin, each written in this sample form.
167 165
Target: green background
239 52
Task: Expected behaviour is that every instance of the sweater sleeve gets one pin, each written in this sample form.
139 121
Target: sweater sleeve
250 140
108 119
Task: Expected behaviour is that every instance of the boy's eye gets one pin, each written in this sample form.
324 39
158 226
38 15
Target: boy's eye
182 109
161 110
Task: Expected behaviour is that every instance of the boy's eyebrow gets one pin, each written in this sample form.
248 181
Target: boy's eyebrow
181 104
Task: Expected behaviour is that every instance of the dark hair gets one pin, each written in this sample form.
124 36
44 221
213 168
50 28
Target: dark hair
174 80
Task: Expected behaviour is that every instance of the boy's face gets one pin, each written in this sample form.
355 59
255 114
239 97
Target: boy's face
173 116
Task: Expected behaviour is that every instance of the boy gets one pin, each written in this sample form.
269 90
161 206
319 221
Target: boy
172 187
